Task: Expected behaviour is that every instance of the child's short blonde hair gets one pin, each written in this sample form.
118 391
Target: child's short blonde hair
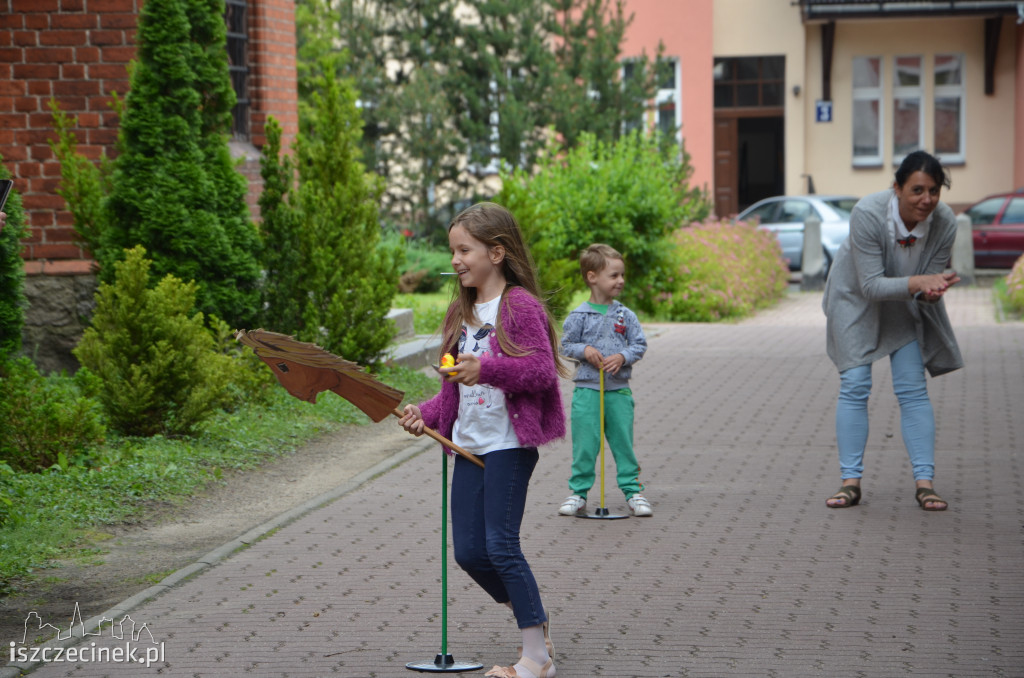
596 257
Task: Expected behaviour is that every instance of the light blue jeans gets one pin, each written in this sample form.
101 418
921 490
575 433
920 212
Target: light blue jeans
917 419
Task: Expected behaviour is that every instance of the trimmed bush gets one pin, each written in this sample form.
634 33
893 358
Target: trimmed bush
630 195
158 365
723 270
45 418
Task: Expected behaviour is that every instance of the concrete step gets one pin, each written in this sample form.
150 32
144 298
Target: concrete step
403 320
415 353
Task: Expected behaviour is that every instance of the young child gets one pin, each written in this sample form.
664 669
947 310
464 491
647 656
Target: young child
500 401
602 334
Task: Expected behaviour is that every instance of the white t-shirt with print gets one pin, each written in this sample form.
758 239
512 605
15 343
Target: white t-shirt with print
484 424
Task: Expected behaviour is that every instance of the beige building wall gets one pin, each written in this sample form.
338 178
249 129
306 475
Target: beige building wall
771 28
988 149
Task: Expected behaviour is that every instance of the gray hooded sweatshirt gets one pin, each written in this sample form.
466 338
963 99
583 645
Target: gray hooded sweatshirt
617 331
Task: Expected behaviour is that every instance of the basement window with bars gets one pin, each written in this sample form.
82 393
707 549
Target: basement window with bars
238 65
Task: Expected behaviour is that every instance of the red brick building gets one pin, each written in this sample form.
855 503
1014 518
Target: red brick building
77 52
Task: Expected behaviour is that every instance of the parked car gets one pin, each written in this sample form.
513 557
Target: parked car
997 229
785 214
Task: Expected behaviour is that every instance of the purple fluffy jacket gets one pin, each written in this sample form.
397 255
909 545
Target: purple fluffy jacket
530 382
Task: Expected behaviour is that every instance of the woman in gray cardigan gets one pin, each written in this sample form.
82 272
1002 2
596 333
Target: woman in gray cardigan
883 298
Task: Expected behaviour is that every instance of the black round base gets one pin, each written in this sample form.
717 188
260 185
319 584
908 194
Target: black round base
443 664
603 514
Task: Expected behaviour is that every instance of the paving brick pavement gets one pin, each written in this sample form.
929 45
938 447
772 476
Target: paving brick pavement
742 571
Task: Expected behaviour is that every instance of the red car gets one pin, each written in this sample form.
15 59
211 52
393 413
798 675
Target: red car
997 223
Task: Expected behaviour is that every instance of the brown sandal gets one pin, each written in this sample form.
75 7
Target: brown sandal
850 494
926 495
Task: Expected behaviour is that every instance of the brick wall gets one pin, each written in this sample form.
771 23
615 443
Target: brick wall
58 49
272 75
77 52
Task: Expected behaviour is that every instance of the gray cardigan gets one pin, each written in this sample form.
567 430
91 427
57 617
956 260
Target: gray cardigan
870 311
617 331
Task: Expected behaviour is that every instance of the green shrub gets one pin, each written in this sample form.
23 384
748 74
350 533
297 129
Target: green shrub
423 267
159 369
631 195
7 495
12 274
43 418
250 380
1015 287
723 270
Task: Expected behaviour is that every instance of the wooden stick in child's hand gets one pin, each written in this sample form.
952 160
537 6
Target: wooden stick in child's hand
444 441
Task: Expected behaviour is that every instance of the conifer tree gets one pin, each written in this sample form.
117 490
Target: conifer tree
12 275
157 364
588 95
281 251
348 276
174 188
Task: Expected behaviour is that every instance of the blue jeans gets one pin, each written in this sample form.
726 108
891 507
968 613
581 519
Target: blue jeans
487 511
917 419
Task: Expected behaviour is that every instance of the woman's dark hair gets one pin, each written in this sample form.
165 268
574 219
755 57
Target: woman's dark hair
919 161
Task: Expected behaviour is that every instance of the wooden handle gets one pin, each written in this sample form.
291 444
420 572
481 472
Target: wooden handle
444 441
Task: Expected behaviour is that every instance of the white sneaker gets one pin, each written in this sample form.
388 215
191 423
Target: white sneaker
573 505
639 505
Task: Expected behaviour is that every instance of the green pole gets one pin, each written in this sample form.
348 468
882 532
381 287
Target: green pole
444 554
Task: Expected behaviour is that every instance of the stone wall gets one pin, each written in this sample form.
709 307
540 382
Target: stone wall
58 313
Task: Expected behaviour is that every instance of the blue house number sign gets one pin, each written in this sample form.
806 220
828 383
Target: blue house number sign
822 111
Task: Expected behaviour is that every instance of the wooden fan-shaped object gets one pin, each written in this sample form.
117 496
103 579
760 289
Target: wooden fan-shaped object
306 370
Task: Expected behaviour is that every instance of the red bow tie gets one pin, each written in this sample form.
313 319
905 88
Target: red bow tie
906 242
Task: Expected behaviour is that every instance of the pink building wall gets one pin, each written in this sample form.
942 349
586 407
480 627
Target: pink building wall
685 29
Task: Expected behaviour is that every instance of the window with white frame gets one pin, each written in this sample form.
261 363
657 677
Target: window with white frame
907 111
666 100
238 65
949 107
867 111
488 153
629 71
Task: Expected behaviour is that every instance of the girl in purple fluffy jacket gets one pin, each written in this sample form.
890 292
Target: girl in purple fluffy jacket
500 401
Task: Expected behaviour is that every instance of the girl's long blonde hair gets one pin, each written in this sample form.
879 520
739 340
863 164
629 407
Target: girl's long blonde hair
494 225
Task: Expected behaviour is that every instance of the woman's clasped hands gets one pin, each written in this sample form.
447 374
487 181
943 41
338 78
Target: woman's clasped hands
934 285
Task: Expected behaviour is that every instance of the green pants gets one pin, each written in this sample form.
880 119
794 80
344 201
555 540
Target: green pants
586 439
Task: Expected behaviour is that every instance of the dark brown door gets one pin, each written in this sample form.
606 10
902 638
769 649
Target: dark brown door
726 167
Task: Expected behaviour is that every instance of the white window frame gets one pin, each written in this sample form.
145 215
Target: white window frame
493 165
869 94
958 91
670 95
908 93
630 125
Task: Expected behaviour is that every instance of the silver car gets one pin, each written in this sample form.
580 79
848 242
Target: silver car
785 214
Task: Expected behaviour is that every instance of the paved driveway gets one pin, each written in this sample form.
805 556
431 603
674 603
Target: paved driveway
742 571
